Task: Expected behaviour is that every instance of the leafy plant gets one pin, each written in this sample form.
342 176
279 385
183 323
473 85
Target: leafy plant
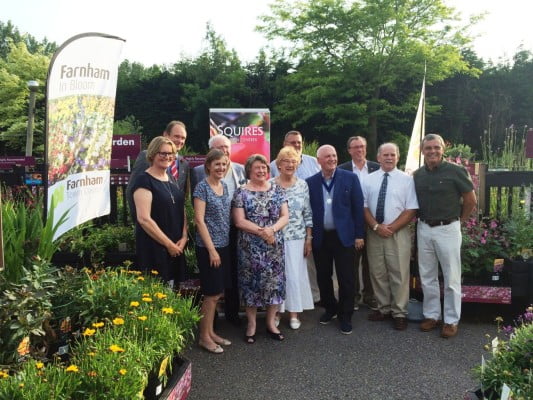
512 361
483 241
520 228
132 324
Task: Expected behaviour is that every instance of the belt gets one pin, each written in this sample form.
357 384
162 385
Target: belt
439 222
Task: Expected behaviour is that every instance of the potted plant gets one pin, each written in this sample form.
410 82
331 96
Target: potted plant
510 363
130 324
520 229
484 240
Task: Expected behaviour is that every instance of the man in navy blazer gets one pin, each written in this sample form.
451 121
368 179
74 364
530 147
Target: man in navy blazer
234 178
359 165
338 232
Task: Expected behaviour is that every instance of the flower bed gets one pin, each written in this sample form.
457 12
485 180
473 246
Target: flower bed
127 323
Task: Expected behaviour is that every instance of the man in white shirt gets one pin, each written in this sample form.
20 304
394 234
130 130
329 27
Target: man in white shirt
309 165
359 165
390 204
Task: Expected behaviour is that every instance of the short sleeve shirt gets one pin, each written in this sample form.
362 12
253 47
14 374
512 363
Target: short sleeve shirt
217 213
439 191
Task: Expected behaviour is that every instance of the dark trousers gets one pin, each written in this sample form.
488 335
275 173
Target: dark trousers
333 250
231 295
368 291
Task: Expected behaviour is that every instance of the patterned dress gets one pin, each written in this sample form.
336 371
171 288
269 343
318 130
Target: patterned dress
261 267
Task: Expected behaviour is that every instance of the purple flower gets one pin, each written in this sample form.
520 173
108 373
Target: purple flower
493 224
508 330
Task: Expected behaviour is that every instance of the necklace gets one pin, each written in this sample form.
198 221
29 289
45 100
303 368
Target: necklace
167 187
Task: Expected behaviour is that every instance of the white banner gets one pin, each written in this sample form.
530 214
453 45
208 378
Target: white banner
81 89
414 158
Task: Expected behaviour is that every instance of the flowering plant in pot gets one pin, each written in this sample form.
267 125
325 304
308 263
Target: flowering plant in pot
512 360
484 240
129 324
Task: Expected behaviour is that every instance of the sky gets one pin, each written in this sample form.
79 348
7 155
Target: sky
163 31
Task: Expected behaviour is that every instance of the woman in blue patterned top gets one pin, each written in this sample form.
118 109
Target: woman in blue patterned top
212 207
297 235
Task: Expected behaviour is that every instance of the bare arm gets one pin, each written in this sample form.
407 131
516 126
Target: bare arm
199 215
143 204
469 203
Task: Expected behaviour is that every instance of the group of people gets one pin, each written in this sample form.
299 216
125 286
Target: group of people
283 236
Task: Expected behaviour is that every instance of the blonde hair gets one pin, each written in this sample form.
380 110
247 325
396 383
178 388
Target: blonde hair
155 145
287 152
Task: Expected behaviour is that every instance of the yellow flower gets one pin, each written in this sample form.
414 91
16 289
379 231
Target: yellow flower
39 365
140 278
147 299
146 295
98 324
4 374
116 349
160 295
134 304
21 385
498 319
72 368
167 310
90 291
154 272
122 371
118 321
91 354
142 317
92 373
88 332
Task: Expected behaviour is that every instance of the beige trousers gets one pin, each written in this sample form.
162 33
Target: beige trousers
388 260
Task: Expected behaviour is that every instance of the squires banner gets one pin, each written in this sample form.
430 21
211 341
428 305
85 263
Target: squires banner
247 129
81 89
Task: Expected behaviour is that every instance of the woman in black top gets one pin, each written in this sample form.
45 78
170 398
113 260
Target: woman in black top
161 229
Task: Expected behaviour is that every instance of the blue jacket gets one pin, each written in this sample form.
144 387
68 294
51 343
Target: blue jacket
347 207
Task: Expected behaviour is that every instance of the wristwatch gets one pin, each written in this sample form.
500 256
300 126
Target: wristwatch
375 227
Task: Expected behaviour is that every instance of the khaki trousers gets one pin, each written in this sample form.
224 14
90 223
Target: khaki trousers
389 260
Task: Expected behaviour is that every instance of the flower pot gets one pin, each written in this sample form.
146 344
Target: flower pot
178 384
522 279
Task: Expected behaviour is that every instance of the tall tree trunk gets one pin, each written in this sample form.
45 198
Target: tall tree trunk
372 137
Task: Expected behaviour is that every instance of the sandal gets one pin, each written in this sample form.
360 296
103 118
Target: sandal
249 339
276 336
223 342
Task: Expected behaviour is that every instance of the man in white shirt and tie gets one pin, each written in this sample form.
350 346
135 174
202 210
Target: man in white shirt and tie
390 204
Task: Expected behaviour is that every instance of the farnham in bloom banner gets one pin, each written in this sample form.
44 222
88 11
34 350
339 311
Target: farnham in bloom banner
81 90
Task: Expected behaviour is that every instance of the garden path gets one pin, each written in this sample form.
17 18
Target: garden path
317 362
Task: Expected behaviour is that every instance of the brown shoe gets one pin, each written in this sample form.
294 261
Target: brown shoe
400 323
377 316
429 324
448 331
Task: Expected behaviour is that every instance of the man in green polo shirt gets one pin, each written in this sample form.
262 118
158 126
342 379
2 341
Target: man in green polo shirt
446 197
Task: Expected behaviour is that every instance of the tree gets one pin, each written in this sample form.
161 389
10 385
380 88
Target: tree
16 70
364 51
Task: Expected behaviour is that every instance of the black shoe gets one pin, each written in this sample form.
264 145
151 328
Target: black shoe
234 320
346 327
276 336
327 317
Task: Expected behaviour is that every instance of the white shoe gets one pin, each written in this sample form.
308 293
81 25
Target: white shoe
295 323
356 307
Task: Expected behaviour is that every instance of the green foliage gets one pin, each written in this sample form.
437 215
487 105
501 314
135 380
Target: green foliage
512 156
25 307
520 228
25 235
459 150
127 126
94 241
361 53
483 241
19 67
131 323
511 362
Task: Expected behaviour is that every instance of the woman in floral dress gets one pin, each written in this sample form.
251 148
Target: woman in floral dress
260 212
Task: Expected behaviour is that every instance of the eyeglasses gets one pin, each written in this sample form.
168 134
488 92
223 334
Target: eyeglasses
358 147
286 161
164 154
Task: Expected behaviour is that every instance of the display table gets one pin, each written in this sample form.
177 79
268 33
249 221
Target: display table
486 294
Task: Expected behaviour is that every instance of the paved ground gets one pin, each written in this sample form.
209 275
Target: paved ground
317 362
